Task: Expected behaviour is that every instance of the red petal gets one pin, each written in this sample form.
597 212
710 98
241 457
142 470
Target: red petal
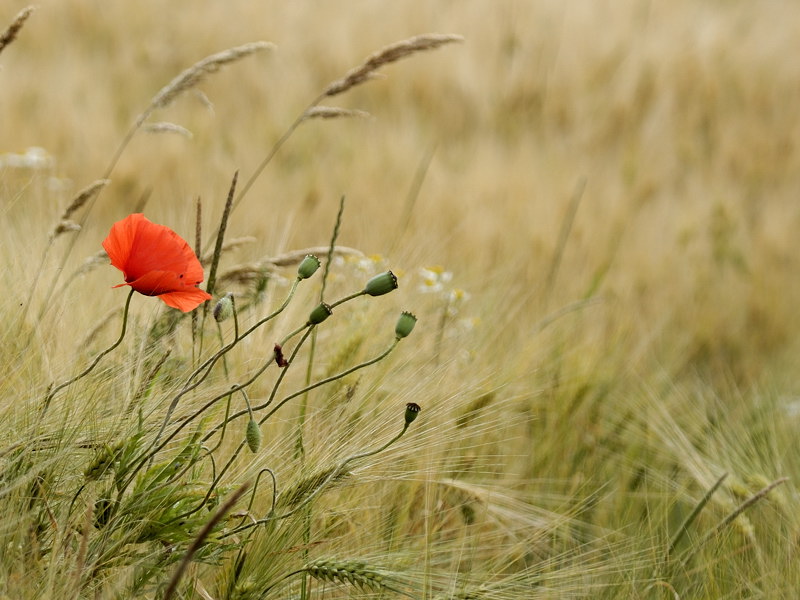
185 300
155 283
157 248
119 242
154 259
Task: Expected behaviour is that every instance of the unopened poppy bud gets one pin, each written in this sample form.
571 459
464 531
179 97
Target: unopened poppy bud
223 308
320 313
405 324
381 284
308 266
253 436
412 410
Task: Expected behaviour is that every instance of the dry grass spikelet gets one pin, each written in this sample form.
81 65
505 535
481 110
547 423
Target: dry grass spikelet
248 273
92 262
190 77
64 227
65 224
334 112
167 127
84 196
10 34
389 54
89 264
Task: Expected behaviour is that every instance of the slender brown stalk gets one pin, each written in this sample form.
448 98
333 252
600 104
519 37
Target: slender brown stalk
198 541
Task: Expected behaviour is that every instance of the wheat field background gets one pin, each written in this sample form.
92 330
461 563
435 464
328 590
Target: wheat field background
592 209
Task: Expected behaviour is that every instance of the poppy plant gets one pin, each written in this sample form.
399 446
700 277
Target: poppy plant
156 261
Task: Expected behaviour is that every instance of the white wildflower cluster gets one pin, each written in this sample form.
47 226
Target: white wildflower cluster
436 280
367 265
34 159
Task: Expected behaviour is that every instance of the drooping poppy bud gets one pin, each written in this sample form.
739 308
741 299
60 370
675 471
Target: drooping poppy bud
405 324
224 308
253 436
308 266
381 284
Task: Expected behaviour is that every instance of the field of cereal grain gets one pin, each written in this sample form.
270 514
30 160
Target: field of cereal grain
590 208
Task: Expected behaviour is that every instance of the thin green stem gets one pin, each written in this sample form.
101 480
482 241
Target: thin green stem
322 382
52 391
198 541
347 298
272 393
331 476
308 388
208 365
241 444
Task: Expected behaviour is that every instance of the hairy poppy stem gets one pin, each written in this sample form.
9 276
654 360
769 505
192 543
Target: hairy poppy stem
52 391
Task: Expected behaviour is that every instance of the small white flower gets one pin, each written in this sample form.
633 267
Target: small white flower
433 279
35 158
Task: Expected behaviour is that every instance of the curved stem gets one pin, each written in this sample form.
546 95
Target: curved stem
331 476
347 298
321 382
54 390
210 362
308 388
152 453
267 159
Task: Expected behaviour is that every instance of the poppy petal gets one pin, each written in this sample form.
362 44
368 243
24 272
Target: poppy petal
158 248
185 300
119 242
155 283
156 261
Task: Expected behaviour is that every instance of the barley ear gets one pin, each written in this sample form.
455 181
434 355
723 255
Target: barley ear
355 573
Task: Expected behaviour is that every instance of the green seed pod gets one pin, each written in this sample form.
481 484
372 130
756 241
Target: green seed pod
224 308
381 284
308 266
253 436
412 411
319 314
405 324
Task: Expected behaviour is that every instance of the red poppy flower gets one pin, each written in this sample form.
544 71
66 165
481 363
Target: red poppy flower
156 261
